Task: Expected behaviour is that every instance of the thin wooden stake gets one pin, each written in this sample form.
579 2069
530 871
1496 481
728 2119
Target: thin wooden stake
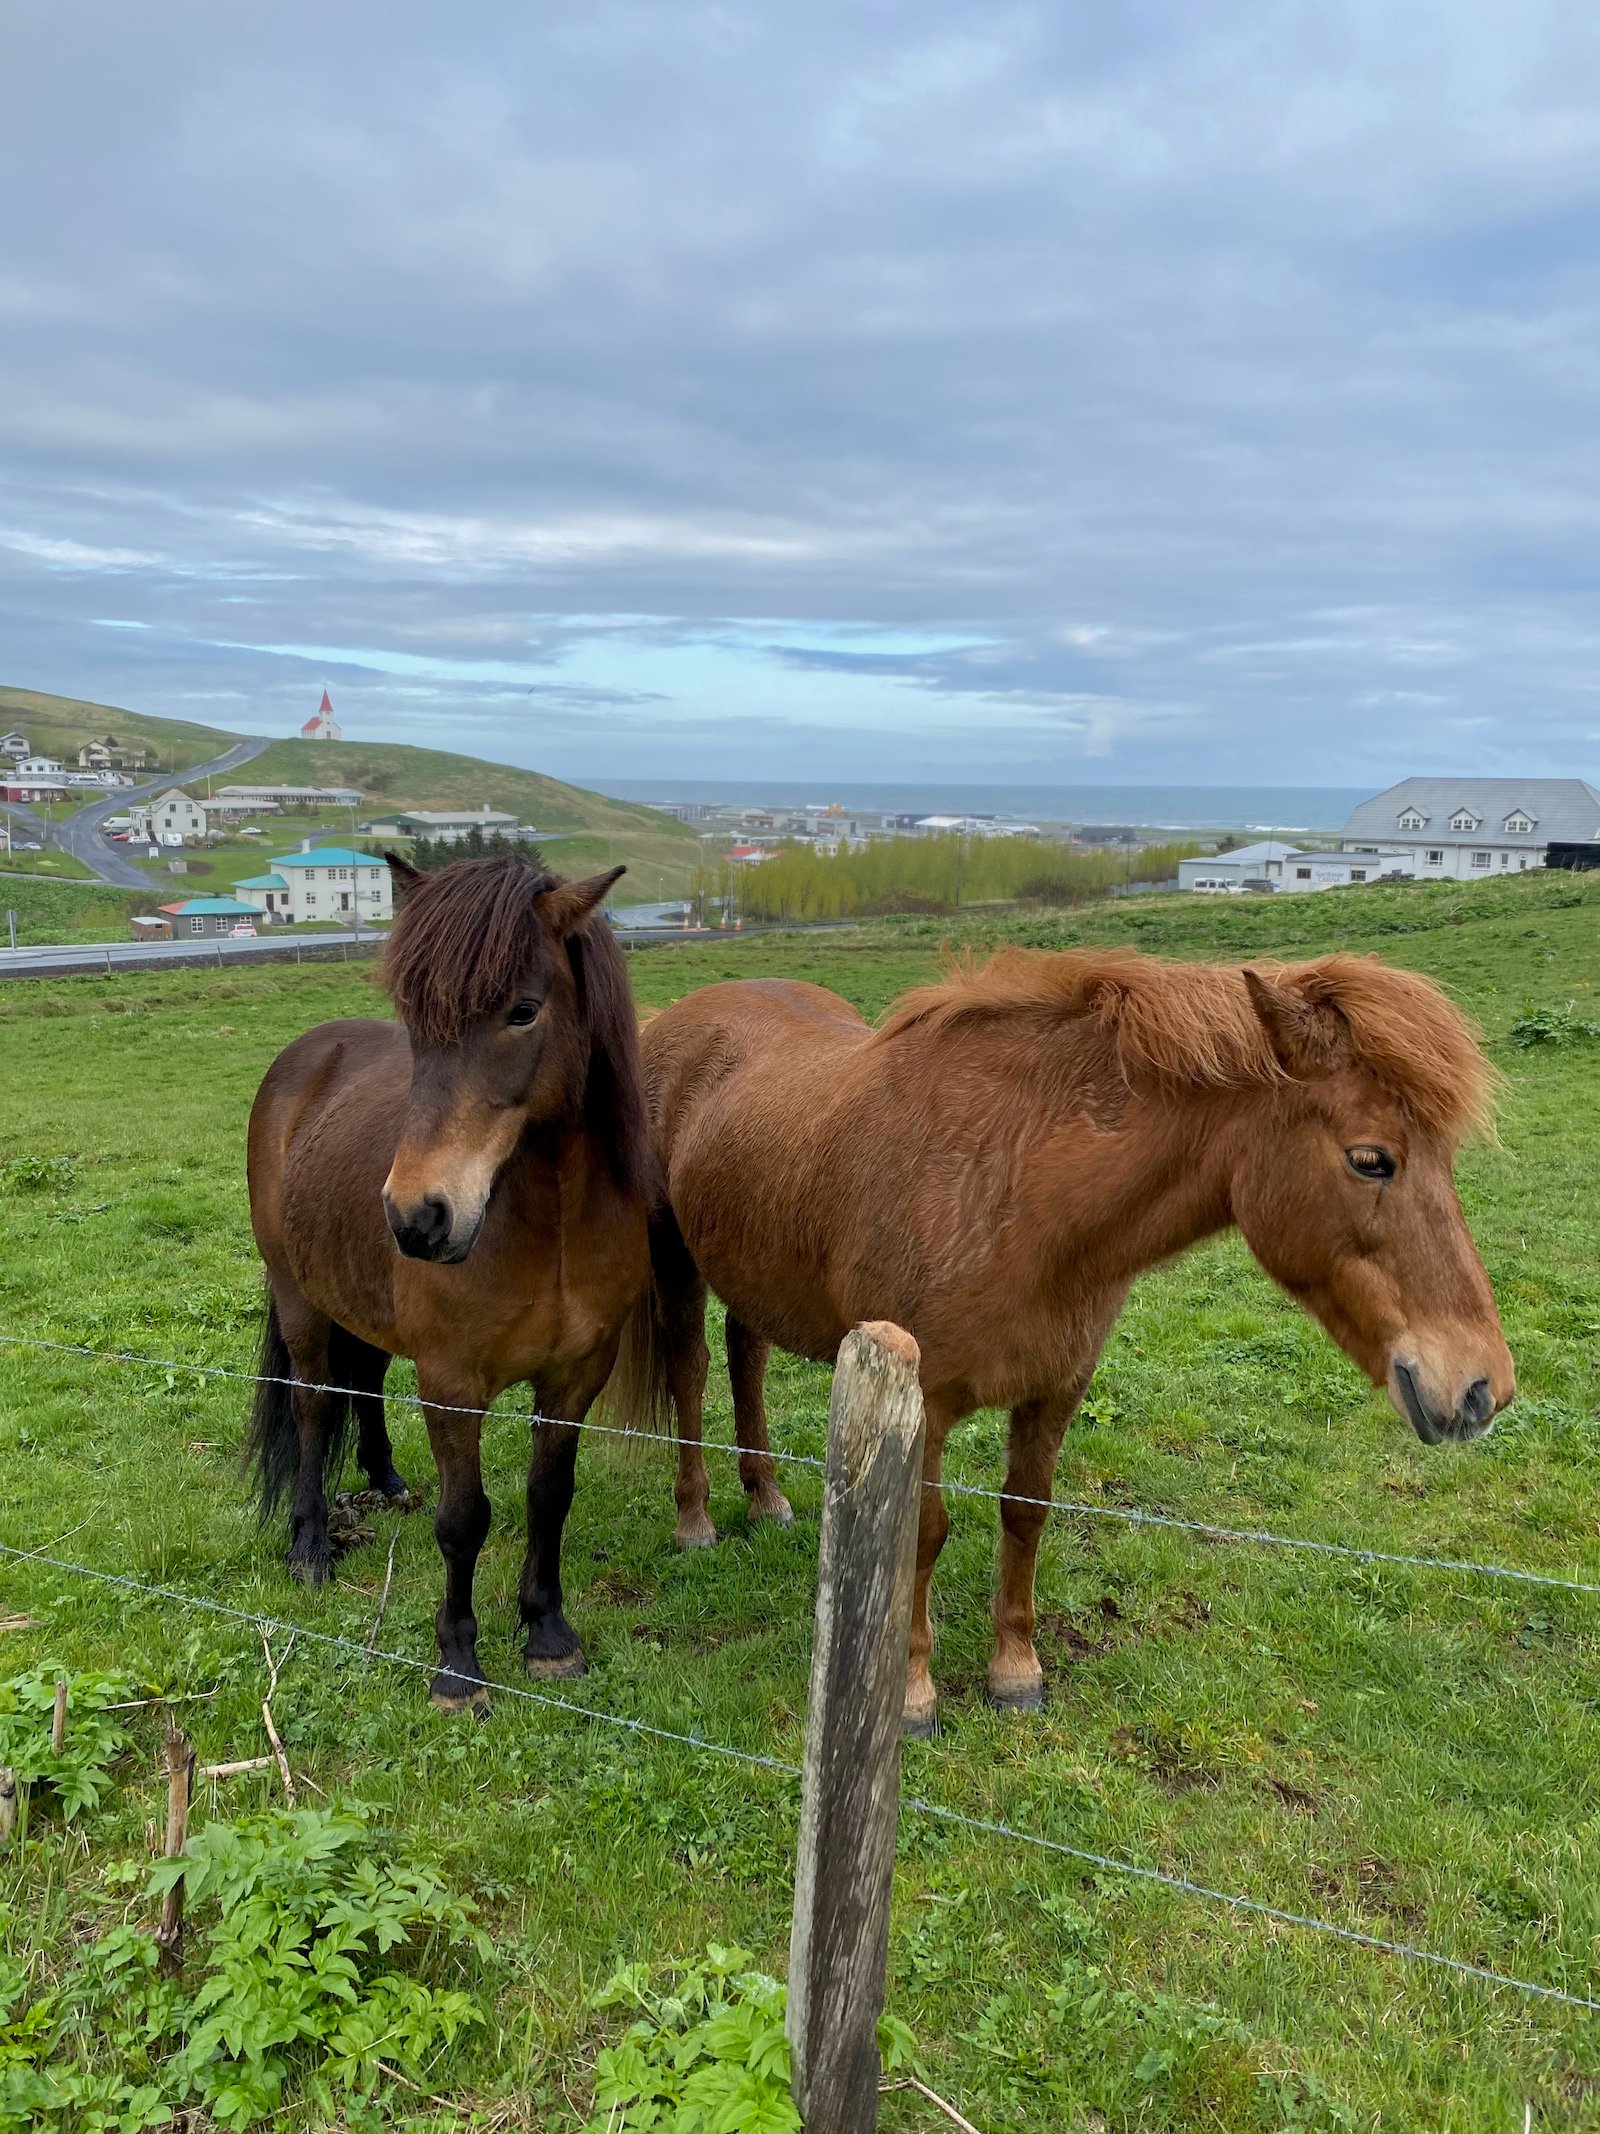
58 1721
266 1720
180 1785
383 1597
234 1770
849 1797
8 1802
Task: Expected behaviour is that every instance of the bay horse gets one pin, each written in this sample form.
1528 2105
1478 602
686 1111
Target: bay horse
466 1187
993 1166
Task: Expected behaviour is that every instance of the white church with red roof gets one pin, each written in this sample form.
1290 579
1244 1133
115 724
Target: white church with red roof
322 725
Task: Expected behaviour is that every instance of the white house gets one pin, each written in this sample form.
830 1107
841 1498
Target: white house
252 799
172 818
1274 865
14 744
449 826
1465 828
44 768
321 882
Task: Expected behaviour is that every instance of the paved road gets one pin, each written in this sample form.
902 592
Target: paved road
80 833
288 946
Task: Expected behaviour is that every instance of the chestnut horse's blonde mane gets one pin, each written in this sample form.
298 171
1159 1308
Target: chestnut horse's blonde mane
1194 1023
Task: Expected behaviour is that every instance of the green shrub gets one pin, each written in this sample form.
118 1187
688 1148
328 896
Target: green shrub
38 1174
79 1776
294 1989
1550 1026
708 2056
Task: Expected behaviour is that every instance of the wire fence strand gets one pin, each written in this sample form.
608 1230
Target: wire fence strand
1125 1515
1101 1863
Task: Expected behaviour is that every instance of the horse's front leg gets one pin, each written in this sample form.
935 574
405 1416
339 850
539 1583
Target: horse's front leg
552 1648
1016 1680
461 1526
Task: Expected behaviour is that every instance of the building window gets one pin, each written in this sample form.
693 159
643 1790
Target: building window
197 926
1519 824
311 896
1358 874
1463 819
1302 874
1481 860
1411 820
1505 859
1435 857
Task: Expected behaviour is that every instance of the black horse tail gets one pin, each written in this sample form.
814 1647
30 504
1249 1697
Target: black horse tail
272 1444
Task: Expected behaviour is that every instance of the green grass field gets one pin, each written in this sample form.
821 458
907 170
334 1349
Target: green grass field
1411 1754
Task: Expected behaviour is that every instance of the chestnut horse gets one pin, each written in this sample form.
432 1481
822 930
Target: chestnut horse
994 1165
468 1188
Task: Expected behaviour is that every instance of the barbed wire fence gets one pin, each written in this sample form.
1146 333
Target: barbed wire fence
931 1811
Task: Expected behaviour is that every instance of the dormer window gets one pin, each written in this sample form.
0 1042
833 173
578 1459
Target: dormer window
1464 819
1413 819
1518 823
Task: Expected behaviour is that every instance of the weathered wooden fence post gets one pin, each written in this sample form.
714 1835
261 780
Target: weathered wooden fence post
849 1797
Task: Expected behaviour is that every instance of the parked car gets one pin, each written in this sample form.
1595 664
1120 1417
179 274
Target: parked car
244 931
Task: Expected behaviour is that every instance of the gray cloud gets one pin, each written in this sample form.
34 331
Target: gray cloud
641 389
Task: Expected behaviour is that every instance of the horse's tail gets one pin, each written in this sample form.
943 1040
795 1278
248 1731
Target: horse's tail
272 1443
638 1394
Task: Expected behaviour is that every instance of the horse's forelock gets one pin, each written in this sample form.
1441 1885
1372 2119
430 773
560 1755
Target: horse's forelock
460 940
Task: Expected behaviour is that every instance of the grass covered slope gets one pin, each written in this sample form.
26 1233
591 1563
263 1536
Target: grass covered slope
59 726
1411 1754
661 854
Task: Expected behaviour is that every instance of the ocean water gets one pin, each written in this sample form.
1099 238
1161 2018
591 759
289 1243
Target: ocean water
1264 808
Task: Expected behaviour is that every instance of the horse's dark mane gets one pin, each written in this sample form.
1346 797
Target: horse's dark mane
460 941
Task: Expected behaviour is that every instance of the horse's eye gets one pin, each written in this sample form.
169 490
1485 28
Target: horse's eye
525 1012
1370 1163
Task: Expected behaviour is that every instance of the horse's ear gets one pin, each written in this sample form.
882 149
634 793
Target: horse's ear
1304 1039
404 876
564 910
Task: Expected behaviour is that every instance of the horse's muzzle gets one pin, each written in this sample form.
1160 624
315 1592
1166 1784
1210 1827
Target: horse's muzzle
427 1230
1435 1425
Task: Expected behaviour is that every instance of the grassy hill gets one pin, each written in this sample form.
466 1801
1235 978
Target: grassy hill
59 726
586 831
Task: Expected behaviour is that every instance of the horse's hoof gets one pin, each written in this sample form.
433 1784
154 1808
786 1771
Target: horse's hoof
697 1533
449 1693
919 1725
565 1668
1017 1696
775 1507
312 1570
398 1490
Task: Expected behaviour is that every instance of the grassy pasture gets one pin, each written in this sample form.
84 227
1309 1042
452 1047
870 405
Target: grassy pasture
1408 1753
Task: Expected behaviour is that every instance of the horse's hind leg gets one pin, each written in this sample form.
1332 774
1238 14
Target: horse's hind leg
320 1416
747 1373
681 1292
361 1367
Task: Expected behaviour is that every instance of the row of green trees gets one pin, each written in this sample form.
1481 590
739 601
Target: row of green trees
924 874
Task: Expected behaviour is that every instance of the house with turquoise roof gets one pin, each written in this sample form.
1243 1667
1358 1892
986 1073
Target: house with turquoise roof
326 883
207 915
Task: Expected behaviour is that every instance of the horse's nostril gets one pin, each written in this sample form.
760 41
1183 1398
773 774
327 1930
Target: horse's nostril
423 1231
433 1218
1477 1404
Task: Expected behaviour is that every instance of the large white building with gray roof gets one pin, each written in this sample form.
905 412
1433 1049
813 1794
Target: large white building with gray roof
1466 828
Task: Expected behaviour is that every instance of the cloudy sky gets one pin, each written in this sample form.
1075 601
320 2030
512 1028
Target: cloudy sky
985 392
